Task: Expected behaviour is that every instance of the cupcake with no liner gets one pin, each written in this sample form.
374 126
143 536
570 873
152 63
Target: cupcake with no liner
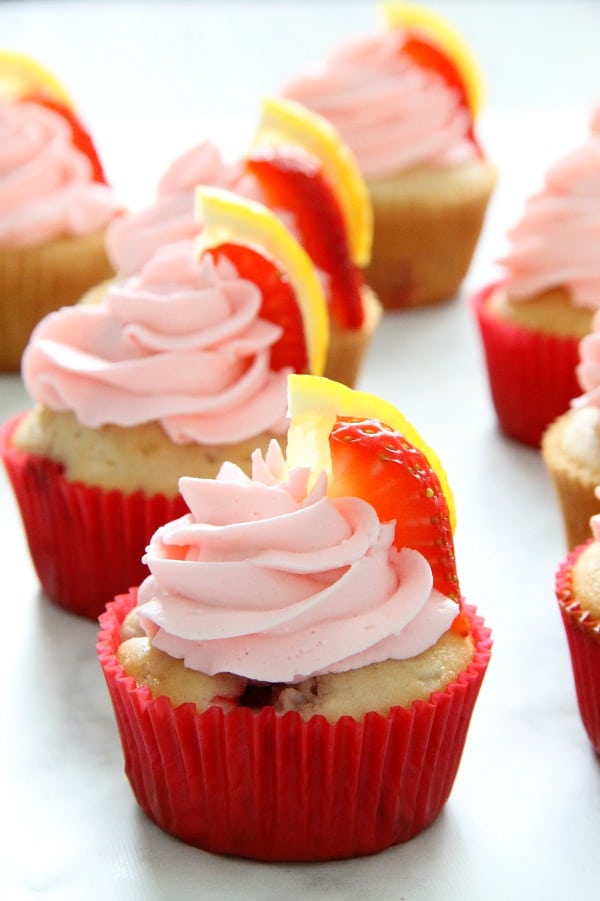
578 594
299 168
295 678
54 209
532 321
164 374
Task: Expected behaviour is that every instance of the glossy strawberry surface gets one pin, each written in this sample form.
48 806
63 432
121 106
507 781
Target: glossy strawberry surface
295 184
373 462
279 304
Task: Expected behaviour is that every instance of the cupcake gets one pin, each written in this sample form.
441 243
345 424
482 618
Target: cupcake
54 204
295 678
531 321
298 167
571 446
164 374
134 238
579 602
404 102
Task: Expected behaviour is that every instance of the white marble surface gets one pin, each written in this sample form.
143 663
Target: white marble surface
523 820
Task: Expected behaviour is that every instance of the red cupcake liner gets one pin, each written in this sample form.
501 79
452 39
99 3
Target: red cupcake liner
531 375
583 638
86 544
268 787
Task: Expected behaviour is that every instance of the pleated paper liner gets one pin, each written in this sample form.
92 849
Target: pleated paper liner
257 785
36 280
86 544
583 637
531 375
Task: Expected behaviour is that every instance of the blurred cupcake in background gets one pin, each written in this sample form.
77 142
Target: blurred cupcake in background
165 374
531 323
404 100
133 239
55 203
299 168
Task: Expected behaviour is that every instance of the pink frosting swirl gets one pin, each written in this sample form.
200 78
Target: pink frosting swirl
390 111
133 239
555 244
271 581
588 368
46 183
182 343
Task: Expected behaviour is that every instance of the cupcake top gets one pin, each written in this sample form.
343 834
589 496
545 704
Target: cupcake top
132 239
297 167
48 186
334 557
555 243
393 112
270 579
183 344
588 368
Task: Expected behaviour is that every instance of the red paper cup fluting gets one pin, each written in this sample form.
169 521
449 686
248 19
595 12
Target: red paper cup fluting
258 785
531 375
583 638
86 544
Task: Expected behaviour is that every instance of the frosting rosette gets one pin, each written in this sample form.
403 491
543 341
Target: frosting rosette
183 344
555 243
270 579
47 186
588 368
391 112
134 238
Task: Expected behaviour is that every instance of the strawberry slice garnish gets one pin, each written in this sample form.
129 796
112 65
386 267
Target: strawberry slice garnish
295 183
429 56
372 461
80 137
279 304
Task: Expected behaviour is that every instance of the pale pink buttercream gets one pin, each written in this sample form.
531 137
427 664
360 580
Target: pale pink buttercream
46 183
133 239
272 581
391 112
182 343
555 244
588 368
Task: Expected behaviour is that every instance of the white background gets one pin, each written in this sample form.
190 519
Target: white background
523 820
